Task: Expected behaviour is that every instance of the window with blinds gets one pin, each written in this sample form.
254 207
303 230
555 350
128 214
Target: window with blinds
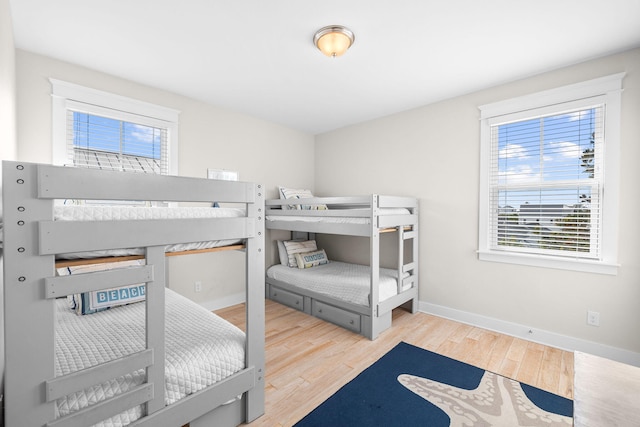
99 142
549 178
102 130
546 184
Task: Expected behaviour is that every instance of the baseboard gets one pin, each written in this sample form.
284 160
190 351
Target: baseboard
224 302
536 335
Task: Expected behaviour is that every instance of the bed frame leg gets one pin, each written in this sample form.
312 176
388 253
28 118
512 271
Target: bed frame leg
411 306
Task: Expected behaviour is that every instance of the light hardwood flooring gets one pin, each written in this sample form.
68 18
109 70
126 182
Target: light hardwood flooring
307 359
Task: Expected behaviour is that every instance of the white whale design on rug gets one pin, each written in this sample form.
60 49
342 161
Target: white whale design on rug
498 401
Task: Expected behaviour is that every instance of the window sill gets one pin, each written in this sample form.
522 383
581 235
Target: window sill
587 266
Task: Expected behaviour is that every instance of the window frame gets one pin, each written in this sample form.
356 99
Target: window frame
69 96
605 90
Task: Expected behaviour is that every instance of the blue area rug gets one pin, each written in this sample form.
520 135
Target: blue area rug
410 386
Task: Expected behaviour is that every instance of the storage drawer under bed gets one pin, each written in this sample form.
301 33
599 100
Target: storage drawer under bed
340 317
287 298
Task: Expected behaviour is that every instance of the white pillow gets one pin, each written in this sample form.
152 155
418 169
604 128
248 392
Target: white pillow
294 247
282 253
311 259
294 193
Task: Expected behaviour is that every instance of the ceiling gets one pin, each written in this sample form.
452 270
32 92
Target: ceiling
257 57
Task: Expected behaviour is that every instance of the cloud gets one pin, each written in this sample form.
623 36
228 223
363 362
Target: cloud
520 174
578 115
565 149
145 133
513 151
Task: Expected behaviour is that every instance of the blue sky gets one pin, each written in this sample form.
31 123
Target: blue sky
545 151
101 133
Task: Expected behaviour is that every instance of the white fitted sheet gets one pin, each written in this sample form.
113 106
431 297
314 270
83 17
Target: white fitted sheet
114 212
201 349
340 280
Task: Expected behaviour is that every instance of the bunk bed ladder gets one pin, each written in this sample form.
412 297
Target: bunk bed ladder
403 266
411 266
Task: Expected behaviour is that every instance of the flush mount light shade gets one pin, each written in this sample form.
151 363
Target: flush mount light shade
333 40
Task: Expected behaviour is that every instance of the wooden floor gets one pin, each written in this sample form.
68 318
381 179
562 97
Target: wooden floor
307 359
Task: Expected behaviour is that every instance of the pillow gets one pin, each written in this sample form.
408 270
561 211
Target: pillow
311 259
293 193
95 301
282 253
296 246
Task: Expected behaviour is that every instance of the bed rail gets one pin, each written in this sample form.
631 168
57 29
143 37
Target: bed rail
31 240
342 207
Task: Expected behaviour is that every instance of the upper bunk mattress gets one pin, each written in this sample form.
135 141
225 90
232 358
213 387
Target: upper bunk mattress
201 349
319 217
115 213
340 280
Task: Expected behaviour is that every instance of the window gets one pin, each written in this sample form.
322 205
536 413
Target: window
546 161
100 130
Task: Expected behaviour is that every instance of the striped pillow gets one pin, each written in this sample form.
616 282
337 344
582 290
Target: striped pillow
294 247
293 193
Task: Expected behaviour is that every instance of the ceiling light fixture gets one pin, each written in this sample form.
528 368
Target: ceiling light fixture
333 40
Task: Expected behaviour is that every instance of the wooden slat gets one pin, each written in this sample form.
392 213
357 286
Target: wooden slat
88 261
408 267
311 227
76 381
204 251
102 260
107 408
58 237
55 182
385 221
397 202
61 286
332 213
339 200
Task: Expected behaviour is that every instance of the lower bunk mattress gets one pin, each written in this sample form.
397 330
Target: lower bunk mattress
201 349
343 281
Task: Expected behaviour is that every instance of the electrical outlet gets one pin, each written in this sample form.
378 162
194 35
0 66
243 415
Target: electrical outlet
197 286
593 318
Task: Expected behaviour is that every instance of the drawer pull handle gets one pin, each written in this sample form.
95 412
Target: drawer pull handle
297 302
320 311
351 321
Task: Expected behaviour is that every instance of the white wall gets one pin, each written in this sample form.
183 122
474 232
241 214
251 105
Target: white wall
8 141
433 153
210 137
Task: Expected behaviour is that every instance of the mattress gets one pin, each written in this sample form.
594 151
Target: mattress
340 280
114 212
338 219
201 349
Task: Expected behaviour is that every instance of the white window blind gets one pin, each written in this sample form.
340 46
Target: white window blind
546 183
100 142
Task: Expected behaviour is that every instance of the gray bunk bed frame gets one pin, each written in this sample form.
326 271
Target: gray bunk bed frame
368 321
31 240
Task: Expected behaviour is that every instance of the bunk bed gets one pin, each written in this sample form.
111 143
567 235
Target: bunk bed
359 298
152 356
